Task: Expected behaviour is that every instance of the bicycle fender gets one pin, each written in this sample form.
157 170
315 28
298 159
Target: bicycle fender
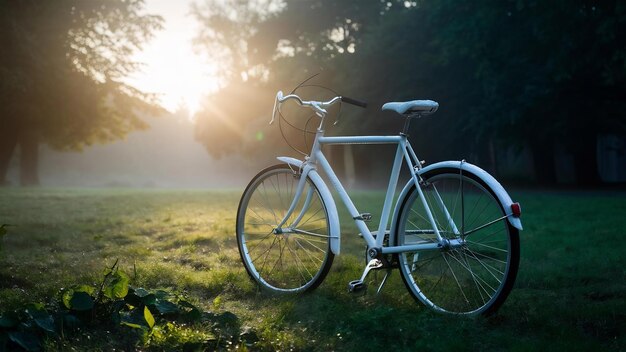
502 196
333 217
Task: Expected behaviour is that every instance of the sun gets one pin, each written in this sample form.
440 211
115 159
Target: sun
171 68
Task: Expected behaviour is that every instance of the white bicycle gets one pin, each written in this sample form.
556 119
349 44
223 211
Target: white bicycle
453 234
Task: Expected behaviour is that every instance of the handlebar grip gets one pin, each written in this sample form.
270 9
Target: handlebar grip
353 102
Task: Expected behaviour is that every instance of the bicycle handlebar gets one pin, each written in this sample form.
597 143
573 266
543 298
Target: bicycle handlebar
354 102
318 106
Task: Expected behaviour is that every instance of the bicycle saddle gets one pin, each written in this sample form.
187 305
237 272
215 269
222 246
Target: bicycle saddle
417 107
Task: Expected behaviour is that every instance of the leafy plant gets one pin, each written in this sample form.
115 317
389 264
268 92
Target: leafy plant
153 315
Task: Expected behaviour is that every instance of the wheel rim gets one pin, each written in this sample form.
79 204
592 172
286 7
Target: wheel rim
292 258
468 277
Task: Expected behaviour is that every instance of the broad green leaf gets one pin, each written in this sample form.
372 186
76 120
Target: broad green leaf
248 335
118 286
41 317
132 325
161 294
35 310
149 299
8 320
84 288
27 341
135 318
141 292
147 315
46 323
81 301
71 321
132 299
186 304
193 314
67 295
166 307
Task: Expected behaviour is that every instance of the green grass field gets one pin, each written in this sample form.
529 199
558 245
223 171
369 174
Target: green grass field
570 293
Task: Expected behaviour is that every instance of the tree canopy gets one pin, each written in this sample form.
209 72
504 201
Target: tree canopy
61 74
517 74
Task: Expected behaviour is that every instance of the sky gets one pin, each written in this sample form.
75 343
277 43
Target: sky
172 69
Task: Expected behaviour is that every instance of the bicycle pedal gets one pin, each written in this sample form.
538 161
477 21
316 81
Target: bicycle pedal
367 217
355 286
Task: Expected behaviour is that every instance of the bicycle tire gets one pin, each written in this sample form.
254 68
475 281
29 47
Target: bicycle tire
474 278
290 261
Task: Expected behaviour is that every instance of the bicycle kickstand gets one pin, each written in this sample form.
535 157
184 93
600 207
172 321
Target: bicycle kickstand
384 281
359 285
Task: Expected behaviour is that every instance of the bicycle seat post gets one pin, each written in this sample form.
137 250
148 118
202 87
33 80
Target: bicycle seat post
407 123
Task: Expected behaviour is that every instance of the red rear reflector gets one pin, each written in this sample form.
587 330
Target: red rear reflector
516 209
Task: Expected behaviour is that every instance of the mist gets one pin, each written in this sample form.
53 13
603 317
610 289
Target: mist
165 155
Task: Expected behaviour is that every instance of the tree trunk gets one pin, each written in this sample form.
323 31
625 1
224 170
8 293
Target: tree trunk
8 141
586 160
29 158
543 162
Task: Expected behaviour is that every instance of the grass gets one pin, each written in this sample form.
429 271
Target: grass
570 293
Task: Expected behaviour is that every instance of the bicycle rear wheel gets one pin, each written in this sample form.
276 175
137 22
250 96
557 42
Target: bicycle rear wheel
295 258
475 275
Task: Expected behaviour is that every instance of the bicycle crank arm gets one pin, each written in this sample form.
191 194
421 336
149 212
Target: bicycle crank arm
358 285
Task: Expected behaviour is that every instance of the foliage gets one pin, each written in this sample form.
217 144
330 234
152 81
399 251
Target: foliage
511 73
62 71
156 316
285 42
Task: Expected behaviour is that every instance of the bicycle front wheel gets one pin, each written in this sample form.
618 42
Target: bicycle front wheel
295 257
475 273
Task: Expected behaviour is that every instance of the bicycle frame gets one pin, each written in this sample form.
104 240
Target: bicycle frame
304 231
405 152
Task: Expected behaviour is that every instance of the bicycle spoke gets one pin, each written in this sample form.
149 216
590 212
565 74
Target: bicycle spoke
455 279
485 225
478 285
491 234
458 279
297 259
478 277
307 251
289 261
261 240
487 257
490 247
308 240
486 266
265 260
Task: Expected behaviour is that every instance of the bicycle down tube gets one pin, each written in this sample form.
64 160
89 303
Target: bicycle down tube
403 151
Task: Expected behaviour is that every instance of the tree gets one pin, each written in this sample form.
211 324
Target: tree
516 74
61 75
267 46
547 73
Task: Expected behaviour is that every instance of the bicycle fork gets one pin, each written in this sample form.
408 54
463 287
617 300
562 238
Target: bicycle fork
294 203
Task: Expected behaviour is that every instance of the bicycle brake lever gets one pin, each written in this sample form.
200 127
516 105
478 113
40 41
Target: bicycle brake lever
279 96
